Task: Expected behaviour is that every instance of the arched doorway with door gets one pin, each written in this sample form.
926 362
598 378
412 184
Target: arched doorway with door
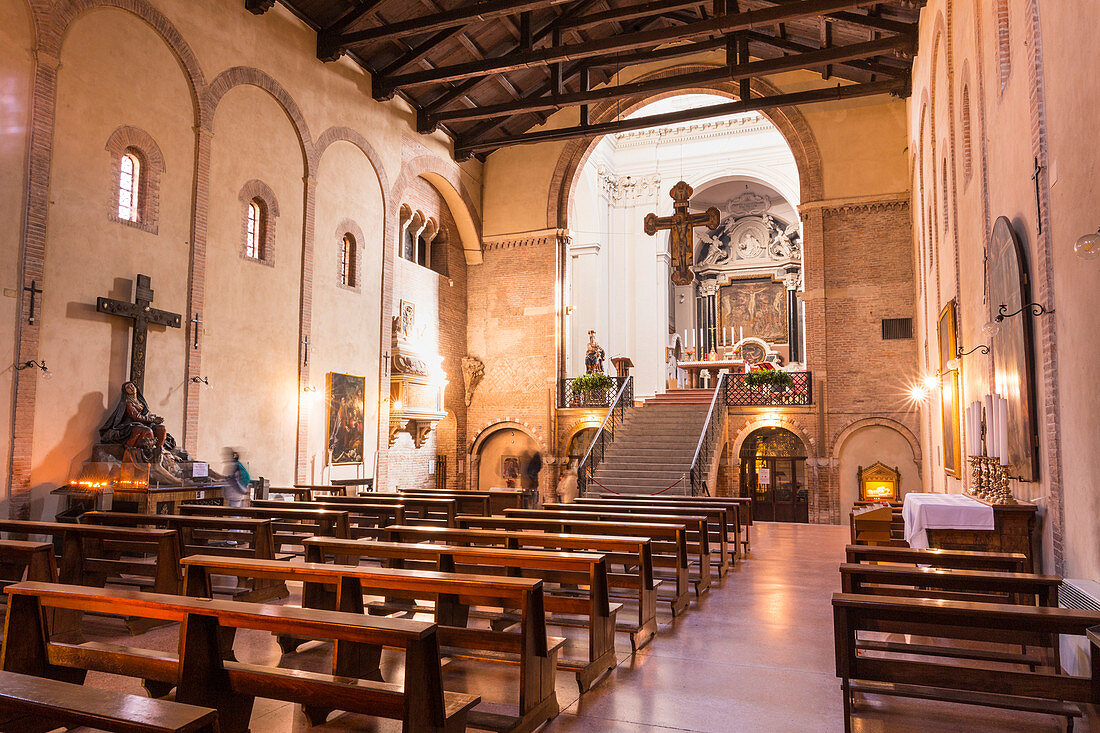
773 474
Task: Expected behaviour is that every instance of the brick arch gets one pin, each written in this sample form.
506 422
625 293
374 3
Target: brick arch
883 422
445 179
788 120
52 34
348 226
242 75
127 136
504 424
583 423
350 135
121 142
757 422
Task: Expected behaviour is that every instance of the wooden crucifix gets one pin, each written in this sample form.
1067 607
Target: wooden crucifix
142 313
680 226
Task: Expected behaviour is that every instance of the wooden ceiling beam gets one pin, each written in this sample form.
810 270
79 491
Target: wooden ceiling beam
419 51
465 149
867 21
470 84
741 71
786 44
629 13
258 7
357 12
331 44
627 42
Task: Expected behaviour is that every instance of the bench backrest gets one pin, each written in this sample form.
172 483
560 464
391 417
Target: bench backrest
924 582
717 517
197 533
937 618
962 559
696 524
744 503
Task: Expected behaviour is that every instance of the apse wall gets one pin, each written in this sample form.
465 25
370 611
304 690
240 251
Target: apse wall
999 89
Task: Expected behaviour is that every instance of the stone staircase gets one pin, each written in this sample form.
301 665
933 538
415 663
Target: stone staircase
655 444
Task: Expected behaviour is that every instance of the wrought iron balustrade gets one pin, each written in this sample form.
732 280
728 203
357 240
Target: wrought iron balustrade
740 394
710 439
567 397
616 413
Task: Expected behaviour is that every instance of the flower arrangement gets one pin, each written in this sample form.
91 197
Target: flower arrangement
772 379
593 382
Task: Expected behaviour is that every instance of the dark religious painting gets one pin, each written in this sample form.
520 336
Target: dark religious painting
759 306
949 391
1012 347
345 418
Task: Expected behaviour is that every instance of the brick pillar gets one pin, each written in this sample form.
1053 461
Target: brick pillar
196 298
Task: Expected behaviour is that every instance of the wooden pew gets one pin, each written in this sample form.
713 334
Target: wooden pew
1011 562
21 560
696 528
940 623
297 493
364 520
29 703
453 594
323 489
574 568
289 525
635 554
466 502
432 511
731 512
743 506
668 542
91 555
720 530
203 677
499 499
196 534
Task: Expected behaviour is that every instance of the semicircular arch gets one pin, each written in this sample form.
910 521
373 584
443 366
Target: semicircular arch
884 422
445 179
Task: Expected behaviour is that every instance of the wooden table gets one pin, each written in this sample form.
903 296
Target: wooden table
1015 529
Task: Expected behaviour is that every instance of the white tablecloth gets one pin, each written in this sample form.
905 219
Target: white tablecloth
942 511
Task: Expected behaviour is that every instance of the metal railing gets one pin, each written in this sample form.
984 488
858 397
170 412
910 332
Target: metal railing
710 438
740 394
599 398
616 413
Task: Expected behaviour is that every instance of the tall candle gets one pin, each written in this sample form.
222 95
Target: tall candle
742 332
990 423
1002 427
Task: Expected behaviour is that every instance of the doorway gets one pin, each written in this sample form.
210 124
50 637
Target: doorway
773 474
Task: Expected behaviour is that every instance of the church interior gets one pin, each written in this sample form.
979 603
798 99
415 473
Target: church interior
565 365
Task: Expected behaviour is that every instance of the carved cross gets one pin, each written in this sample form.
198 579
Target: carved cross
680 226
142 313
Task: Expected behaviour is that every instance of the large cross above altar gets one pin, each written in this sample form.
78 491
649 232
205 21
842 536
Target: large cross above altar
680 226
142 313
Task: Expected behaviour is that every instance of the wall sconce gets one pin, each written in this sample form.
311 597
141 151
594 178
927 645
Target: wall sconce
1088 246
46 373
568 310
992 328
201 380
953 364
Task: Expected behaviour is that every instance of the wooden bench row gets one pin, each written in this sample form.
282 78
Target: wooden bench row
955 626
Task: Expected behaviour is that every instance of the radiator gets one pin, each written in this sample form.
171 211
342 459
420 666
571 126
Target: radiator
1083 595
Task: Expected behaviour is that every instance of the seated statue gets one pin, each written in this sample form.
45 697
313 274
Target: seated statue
142 433
594 356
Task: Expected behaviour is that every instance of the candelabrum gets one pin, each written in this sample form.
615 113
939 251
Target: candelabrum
989 480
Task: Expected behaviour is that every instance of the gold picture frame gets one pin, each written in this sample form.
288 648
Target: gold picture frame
947 333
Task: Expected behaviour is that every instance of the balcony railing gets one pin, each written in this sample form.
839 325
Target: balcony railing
599 398
740 394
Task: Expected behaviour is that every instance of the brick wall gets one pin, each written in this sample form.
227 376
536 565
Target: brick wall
512 322
441 301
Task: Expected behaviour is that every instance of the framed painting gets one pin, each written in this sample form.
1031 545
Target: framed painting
1013 370
759 306
947 332
345 418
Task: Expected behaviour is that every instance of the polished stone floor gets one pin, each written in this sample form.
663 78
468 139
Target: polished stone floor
755 654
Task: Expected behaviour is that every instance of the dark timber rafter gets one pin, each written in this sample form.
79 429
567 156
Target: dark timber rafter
333 44
897 87
627 42
741 71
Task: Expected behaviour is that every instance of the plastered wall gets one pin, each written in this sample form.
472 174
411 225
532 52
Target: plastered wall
228 97
985 117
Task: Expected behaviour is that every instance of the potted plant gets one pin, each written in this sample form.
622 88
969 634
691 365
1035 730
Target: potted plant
770 380
586 386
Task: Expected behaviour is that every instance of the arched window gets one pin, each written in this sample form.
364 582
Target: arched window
133 193
347 261
259 211
254 230
1004 49
968 162
129 182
